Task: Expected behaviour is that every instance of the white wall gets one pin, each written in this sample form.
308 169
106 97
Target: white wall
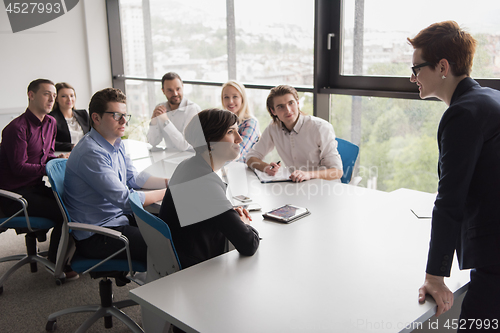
72 48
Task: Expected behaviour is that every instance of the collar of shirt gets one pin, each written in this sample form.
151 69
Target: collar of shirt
34 119
297 127
462 87
101 141
182 106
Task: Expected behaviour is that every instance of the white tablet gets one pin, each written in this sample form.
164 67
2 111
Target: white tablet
287 213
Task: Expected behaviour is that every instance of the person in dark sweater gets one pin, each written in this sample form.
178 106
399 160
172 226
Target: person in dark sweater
195 206
27 146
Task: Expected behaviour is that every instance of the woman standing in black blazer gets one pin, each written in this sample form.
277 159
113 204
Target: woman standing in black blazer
71 124
466 215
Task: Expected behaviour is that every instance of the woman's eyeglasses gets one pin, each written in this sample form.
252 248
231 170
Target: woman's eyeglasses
414 68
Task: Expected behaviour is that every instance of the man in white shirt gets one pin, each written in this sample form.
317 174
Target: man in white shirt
306 144
169 119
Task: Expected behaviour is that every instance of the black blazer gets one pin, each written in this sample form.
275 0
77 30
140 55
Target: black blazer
466 215
63 138
205 239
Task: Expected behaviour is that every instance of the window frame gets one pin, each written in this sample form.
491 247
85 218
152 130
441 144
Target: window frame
328 78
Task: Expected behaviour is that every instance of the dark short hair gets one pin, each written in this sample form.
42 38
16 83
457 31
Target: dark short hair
445 40
170 76
277 91
60 86
214 124
99 102
35 84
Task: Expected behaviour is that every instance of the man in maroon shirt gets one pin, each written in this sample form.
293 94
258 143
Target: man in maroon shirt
27 145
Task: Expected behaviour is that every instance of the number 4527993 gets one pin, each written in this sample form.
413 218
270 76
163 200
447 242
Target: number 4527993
477 324
33 7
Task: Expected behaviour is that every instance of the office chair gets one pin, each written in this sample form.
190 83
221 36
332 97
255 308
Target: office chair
32 226
98 268
348 153
162 257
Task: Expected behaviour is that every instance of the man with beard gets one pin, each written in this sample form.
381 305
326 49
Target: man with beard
169 119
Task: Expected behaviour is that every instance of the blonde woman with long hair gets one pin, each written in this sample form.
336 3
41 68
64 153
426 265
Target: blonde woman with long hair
234 99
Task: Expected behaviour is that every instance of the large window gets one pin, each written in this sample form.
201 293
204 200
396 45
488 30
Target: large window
273 43
397 139
349 59
361 45
260 43
374 34
364 62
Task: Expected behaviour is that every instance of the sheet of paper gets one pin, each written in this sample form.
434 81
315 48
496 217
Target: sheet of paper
283 175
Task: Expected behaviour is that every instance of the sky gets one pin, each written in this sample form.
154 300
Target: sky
414 16
254 13
385 15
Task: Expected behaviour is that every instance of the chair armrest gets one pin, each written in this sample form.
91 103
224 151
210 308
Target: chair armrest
10 195
95 228
19 198
107 232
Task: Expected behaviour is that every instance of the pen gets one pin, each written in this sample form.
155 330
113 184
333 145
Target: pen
272 166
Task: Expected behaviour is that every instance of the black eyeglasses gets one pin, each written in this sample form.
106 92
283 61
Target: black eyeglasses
414 68
118 116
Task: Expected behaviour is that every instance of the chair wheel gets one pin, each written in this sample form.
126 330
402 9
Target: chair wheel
60 281
1 290
51 326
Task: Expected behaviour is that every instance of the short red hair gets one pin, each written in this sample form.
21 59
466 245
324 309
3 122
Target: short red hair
445 40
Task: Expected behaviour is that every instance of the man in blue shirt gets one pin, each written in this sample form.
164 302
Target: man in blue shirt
100 177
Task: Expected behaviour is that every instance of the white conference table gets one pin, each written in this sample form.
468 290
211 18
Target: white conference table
354 265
